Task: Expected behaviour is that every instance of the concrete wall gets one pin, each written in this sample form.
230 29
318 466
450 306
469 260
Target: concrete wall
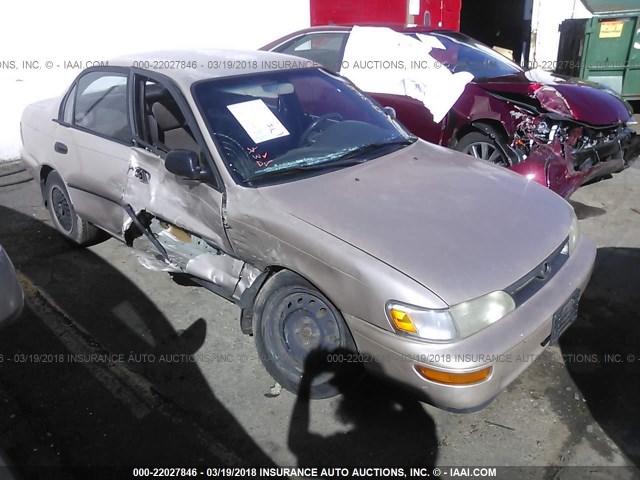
546 18
81 31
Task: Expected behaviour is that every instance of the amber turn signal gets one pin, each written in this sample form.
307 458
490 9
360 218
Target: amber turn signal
402 321
450 378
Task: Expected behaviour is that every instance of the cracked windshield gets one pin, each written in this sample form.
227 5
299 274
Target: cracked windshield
284 123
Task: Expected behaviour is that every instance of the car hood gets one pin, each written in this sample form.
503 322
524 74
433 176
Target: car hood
579 100
458 226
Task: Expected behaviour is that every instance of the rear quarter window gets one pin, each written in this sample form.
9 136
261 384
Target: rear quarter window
323 48
67 112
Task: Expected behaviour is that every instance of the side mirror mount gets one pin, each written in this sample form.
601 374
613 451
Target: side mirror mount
390 112
184 163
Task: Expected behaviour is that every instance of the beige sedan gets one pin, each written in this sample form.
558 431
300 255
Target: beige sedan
285 189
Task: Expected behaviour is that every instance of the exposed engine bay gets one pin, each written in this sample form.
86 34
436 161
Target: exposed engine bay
572 152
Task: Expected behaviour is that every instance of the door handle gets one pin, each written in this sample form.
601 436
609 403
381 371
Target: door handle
141 174
60 148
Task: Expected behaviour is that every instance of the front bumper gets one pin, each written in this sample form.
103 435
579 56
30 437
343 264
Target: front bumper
509 346
606 158
563 173
631 148
11 296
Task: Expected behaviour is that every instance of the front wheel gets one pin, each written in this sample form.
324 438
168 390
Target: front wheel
64 216
484 147
291 320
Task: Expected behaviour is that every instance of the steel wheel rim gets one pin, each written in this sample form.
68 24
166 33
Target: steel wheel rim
61 209
303 322
486 151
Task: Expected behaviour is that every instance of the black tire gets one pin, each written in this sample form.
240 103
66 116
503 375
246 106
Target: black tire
292 319
64 216
482 146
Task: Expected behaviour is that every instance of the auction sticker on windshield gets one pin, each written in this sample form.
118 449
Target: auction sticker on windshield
258 121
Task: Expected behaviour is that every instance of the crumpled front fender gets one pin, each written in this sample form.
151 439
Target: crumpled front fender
548 166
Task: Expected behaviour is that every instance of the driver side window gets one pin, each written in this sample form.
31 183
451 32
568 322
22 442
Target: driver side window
161 122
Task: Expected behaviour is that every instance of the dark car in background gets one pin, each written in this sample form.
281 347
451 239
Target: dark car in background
451 90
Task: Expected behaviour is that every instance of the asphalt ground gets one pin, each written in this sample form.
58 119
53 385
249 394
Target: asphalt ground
114 365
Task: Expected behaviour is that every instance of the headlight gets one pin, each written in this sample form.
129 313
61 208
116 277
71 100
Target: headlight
574 234
474 315
457 322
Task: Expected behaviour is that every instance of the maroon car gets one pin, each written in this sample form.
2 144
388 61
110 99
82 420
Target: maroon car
454 91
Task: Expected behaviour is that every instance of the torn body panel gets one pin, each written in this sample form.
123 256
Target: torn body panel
551 100
176 225
191 205
166 247
562 154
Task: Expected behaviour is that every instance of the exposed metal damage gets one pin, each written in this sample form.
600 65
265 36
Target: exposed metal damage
175 225
549 138
162 246
552 148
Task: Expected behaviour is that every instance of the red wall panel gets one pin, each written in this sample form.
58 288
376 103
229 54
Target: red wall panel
443 13
325 12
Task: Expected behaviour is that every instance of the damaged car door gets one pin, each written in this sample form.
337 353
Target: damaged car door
175 218
91 149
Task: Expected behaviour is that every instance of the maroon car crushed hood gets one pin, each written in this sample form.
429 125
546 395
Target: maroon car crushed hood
578 100
570 130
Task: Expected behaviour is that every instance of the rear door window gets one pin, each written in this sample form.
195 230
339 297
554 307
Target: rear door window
101 105
323 48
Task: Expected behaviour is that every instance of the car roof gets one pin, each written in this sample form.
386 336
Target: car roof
179 64
398 27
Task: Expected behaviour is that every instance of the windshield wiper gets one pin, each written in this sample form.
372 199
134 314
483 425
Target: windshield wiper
372 147
346 160
285 172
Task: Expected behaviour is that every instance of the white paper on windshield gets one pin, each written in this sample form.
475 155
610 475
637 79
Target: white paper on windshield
381 60
258 121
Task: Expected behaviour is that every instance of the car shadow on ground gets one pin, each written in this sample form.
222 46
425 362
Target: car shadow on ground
584 211
602 350
76 411
384 425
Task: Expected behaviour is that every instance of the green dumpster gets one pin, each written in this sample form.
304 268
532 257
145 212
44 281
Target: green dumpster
611 54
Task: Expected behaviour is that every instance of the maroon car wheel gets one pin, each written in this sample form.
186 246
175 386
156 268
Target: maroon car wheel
483 147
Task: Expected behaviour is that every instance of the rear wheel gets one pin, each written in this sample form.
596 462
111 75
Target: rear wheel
64 216
484 147
291 320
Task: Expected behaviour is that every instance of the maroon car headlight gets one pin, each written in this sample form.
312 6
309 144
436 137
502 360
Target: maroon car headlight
454 323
